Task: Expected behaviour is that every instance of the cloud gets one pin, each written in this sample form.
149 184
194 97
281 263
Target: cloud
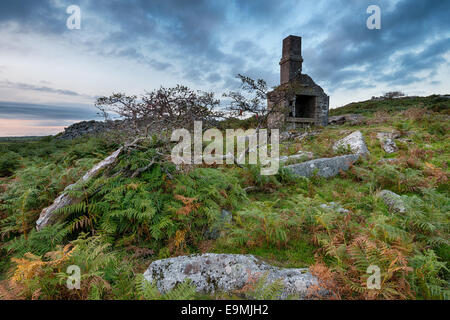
408 27
29 111
181 37
34 16
205 42
25 86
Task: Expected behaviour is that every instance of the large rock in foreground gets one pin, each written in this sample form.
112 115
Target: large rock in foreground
212 273
355 142
324 167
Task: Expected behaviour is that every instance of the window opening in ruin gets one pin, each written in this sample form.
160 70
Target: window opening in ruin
305 106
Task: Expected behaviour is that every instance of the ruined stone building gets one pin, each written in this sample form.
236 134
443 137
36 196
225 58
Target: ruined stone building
298 100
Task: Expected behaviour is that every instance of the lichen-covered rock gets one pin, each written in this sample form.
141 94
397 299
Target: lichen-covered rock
352 119
387 141
212 273
324 167
389 146
300 156
393 201
354 141
333 206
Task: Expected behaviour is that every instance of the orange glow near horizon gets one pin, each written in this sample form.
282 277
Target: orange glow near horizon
17 128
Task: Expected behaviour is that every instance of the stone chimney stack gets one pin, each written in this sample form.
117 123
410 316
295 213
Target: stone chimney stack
291 61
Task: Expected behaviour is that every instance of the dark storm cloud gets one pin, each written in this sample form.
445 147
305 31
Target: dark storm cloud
407 27
29 111
430 57
26 86
34 16
190 33
338 49
187 32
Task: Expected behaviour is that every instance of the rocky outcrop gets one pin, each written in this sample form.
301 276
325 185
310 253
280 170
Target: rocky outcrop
93 127
324 167
211 273
49 215
394 202
352 119
354 141
387 141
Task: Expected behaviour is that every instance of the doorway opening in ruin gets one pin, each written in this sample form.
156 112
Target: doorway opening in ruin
305 106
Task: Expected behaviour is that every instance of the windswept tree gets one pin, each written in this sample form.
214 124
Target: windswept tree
393 94
162 109
252 100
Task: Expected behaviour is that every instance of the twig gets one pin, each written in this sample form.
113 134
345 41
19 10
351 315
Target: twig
141 170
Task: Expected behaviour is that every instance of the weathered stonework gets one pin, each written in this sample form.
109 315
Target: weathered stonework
298 100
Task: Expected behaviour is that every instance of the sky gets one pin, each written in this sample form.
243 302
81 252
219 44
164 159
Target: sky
50 75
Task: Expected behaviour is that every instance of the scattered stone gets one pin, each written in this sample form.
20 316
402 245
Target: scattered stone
334 207
389 146
389 135
355 142
405 140
211 273
299 136
324 167
387 141
336 120
300 156
213 233
393 201
285 135
352 119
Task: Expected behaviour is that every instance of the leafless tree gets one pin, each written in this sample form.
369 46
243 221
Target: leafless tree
162 109
394 94
253 100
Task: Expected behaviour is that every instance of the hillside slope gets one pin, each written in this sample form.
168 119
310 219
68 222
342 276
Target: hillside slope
436 103
337 227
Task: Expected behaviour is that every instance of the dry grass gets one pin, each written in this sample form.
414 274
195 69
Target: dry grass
379 117
414 113
10 290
